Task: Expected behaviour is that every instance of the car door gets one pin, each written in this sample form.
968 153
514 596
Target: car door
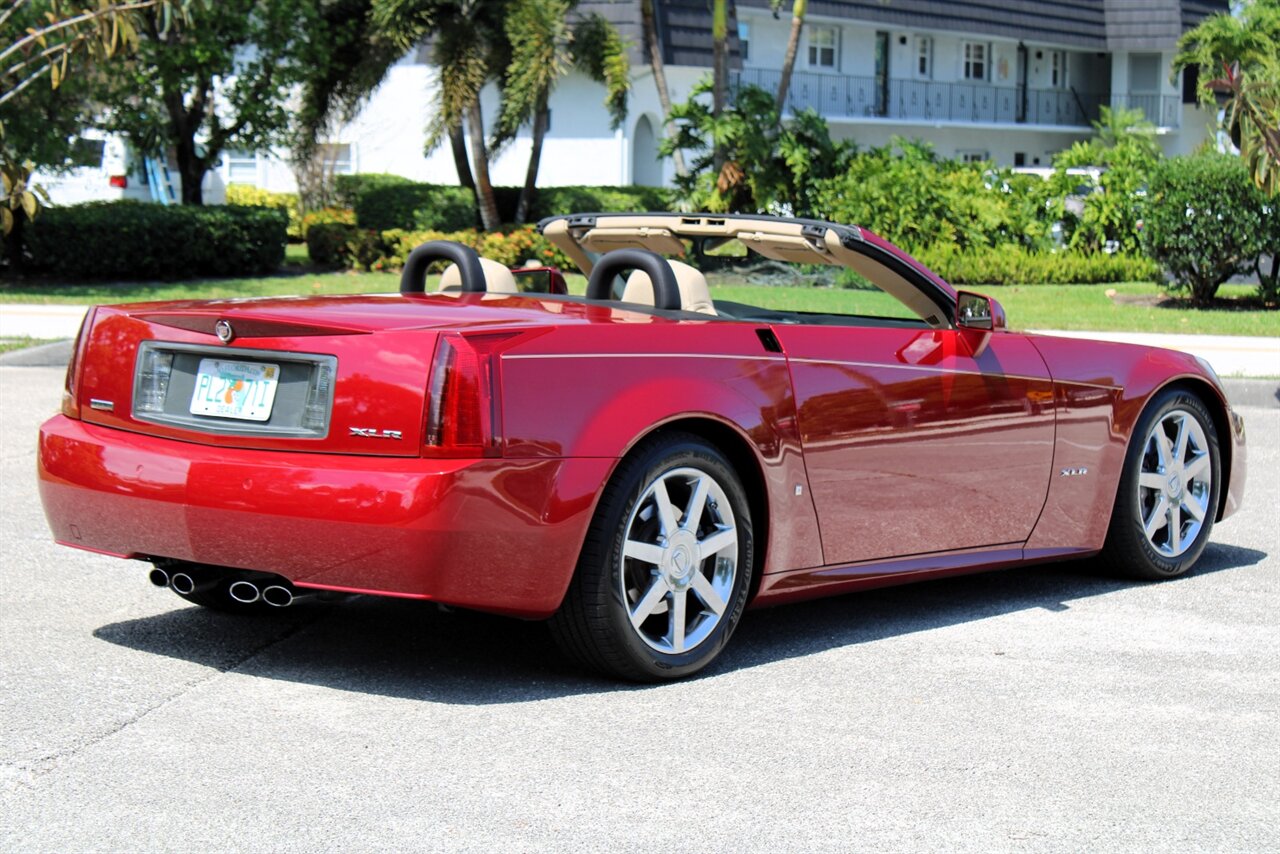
920 440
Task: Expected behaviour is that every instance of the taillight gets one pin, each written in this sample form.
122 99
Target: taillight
70 399
464 417
120 181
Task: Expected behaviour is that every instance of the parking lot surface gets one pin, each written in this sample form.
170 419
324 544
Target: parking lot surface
1043 709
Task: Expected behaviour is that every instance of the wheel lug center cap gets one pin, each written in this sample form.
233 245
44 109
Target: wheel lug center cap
680 559
1174 485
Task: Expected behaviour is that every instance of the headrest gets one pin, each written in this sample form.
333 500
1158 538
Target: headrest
695 295
497 278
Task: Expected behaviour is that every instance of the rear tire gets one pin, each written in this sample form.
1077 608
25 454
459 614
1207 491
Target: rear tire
1168 493
665 570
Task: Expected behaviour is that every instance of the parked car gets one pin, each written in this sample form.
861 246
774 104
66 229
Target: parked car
638 465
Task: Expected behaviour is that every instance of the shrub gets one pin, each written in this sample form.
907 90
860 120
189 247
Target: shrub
348 188
425 207
1015 265
1125 149
552 201
905 193
1204 221
328 243
250 196
342 215
146 241
512 248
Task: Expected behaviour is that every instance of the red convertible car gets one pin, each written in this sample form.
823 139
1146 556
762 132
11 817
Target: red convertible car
639 464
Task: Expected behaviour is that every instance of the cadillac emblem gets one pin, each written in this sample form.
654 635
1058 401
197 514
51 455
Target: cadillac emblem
224 331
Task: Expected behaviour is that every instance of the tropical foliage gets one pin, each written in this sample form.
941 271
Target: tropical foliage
1124 151
1238 62
766 166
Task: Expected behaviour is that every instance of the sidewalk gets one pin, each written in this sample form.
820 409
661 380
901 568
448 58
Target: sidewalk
40 321
1230 355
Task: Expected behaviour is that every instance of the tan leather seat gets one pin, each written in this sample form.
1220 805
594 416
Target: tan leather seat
497 279
695 295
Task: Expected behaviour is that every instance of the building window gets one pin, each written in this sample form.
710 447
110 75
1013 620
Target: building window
1058 69
337 157
977 60
924 57
242 167
823 42
973 156
744 40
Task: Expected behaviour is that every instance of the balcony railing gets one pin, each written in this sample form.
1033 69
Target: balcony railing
1161 110
846 96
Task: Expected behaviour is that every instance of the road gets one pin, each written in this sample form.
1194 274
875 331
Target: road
1040 709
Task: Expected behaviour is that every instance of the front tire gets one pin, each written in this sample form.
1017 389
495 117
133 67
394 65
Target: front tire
666 568
1168 493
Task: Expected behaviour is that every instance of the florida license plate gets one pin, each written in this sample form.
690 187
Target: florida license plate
243 390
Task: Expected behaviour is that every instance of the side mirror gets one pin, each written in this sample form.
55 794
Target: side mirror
974 311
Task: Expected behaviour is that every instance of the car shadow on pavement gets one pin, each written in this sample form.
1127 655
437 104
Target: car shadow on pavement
410 650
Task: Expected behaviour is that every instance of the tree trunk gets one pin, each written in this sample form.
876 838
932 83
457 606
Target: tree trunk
458 142
660 80
798 9
191 169
535 158
489 217
719 69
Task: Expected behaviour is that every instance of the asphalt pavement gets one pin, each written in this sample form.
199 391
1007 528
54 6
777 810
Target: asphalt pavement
1044 709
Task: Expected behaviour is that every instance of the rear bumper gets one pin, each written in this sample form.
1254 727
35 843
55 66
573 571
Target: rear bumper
495 535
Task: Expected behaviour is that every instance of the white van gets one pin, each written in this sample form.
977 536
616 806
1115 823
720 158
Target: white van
108 169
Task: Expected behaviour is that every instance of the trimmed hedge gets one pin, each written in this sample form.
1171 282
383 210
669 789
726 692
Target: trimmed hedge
136 240
251 196
426 207
348 188
385 202
1016 265
551 201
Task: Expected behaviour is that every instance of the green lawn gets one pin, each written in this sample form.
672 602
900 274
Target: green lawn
22 342
1085 307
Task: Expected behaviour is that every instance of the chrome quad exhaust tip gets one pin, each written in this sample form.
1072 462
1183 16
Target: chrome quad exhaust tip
158 577
283 594
244 592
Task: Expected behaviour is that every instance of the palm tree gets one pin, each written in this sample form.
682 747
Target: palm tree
468 50
719 70
798 10
660 79
1238 58
543 47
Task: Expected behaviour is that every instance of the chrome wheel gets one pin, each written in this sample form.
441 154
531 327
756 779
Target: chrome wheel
679 560
1175 483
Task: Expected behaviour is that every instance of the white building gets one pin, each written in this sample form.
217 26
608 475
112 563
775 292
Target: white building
1014 82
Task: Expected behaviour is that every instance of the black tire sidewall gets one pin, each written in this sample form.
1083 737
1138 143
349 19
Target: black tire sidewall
657 460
